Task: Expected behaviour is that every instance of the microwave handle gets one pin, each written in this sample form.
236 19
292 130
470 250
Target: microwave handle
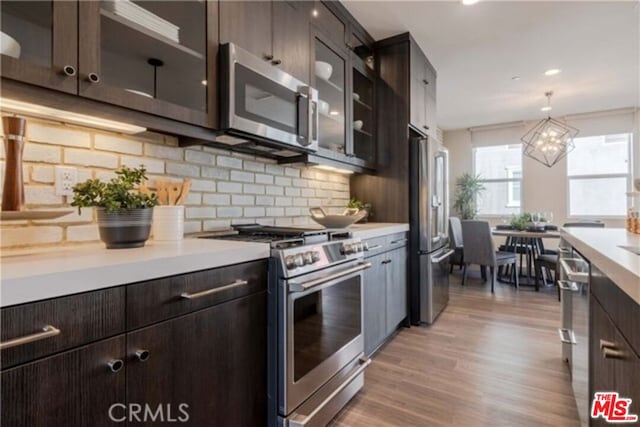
312 118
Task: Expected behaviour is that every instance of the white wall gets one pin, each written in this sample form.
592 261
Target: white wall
543 188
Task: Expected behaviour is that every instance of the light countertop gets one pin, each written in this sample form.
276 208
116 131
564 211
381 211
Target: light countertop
375 229
48 273
601 246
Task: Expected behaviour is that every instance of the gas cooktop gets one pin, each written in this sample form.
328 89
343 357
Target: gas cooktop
279 237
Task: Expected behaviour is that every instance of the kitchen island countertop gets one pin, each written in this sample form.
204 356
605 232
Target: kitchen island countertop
602 247
37 274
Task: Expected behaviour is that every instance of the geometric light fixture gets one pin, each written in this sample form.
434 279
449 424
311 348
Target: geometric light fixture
549 140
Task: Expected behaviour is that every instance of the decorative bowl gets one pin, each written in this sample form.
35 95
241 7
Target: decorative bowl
356 96
349 217
9 46
358 124
324 70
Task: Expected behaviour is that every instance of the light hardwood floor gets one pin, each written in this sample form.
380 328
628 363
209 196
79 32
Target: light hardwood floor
489 360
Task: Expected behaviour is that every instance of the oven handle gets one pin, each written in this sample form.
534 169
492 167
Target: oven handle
364 363
303 286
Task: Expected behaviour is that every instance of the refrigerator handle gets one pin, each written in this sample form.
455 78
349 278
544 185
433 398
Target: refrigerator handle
424 192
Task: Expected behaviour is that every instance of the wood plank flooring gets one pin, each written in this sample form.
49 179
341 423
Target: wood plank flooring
489 360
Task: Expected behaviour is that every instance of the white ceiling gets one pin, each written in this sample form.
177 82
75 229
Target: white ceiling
477 49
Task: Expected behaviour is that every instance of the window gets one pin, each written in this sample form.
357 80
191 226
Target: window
500 170
599 175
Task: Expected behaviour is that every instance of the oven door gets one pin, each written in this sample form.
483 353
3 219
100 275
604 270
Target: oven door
263 101
322 330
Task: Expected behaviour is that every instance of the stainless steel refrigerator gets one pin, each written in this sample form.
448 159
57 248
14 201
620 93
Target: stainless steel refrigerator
429 218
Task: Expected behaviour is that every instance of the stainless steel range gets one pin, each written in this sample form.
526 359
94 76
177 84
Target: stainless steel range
315 327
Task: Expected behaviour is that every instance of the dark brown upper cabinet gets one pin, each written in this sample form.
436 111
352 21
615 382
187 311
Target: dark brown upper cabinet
163 66
42 43
276 31
422 92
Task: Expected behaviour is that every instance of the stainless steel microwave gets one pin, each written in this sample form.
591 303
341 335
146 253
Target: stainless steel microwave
265 109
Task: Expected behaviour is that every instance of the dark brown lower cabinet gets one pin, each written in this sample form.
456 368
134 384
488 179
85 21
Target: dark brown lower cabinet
614 366
74 388
213 360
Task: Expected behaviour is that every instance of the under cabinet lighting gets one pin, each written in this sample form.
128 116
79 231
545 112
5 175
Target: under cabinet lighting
552 72
469 2
332 169
20 107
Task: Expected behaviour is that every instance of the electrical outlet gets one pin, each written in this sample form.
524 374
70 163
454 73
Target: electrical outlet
66 178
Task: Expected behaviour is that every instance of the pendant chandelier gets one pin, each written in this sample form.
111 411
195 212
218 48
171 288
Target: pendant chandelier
549 140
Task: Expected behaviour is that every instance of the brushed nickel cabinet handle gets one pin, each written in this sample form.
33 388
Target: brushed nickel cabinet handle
276 62
607 344
93 78
201 294
142 355
567 336
115 365
395 242
374 247
47 332
69 70
609 353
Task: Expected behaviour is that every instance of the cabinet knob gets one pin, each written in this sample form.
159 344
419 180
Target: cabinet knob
267 57
115 365
142 355
93 78
276 62
69 70
425 81
426 127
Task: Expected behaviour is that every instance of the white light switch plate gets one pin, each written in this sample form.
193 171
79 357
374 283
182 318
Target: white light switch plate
66 178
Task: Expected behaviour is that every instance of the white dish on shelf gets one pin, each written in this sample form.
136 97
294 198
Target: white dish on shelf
9 46
356 97
358 124
323 70
323 107
139 92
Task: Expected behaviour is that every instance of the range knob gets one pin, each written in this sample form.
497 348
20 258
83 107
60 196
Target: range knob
299 260
315 255
349 248
359 247
308 257
290 262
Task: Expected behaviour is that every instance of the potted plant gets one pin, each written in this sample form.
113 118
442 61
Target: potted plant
360 205
468 188
124 213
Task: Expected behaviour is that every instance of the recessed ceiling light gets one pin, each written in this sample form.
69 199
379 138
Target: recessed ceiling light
204 82
469 2
552 72
314 12
547 108
515 78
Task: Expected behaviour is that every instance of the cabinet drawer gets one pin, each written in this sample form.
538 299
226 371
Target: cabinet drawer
161 299
397 240
376 246
80 319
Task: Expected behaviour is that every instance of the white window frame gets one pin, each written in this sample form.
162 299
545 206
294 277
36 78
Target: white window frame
602 176
511 202
500 180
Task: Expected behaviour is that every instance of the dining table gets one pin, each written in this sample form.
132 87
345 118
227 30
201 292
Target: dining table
527 244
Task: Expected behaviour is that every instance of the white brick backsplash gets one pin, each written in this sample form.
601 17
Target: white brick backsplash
242 176
199 212
274 170
41 195
229 187
163 151
254 189
239 200
216 199
43 173
183 169
83 233
119 145
199 157
42 153
264 179
90 158
229 162
152 165
253 166
217 173
24 236
226 187
265 201
229 212
58 135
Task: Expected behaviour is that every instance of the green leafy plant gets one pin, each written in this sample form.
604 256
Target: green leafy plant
358 204
119 194
519 222
468 188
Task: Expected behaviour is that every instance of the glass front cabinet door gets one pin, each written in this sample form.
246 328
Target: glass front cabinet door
152 56
364 147
40 43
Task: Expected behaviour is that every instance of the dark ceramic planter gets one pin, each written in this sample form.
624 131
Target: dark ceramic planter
125 229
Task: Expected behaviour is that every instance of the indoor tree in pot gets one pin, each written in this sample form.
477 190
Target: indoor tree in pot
468 187
124 213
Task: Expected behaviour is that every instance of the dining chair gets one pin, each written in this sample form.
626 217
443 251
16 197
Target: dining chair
549 261
456 242
479 249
